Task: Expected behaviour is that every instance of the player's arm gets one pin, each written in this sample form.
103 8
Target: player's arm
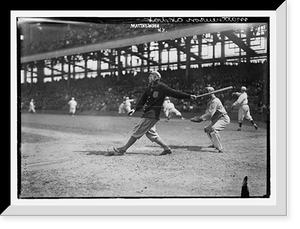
238 101
176 94
140 103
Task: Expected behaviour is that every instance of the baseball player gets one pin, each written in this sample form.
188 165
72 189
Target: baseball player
244 110
170 109
31 106
219 120
121 108
152 100
72 104
127 104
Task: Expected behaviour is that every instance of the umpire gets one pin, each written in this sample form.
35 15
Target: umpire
153 99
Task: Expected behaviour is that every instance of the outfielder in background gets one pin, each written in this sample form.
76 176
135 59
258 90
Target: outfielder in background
169 109
152 98
31 106
215 112
244 110
72 104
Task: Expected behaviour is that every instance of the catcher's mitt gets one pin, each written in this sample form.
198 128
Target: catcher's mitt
196 119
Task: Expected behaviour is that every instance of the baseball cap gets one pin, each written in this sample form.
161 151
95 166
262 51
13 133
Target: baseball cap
156 73
210 89
243 88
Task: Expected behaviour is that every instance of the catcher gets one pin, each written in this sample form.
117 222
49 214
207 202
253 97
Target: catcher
219 120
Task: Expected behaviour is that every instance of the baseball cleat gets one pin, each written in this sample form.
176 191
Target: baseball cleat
118 152
239 129
166 152
255 126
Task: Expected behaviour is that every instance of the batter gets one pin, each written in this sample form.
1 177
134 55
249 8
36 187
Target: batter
151 102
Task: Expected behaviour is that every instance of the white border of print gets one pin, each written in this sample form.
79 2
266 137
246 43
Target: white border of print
275 205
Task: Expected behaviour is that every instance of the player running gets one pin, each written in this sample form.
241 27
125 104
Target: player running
244 110
153 99
72 104
219 120
169 109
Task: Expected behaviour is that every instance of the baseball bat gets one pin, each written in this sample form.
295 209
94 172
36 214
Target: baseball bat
215 91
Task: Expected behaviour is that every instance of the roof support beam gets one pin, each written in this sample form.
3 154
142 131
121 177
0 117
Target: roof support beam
240 43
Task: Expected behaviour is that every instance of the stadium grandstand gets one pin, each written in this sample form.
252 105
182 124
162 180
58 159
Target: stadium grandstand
100 62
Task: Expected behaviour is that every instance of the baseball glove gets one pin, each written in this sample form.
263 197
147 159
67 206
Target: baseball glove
196 119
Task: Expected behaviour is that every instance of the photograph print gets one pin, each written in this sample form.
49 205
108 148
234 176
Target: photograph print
143 107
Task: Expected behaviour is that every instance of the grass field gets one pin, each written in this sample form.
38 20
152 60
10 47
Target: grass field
63 157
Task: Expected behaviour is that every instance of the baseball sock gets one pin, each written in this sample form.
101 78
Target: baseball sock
161 142
130 142
240 124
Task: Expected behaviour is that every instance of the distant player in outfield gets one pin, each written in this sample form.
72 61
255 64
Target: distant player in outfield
169 109
72 104
219 120
31 106
244 110
153 99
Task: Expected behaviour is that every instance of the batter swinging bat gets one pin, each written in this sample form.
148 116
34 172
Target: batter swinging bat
215 91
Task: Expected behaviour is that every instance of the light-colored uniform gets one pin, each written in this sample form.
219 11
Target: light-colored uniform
219 120
121 108
169 109
72 103
31 107
127 105
242 103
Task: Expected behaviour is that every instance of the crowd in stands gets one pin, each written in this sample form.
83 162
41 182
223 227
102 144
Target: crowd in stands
106 93
82 35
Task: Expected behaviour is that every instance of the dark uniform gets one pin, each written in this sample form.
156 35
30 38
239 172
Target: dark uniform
154 97
152 101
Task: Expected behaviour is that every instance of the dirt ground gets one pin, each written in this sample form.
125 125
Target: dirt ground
63 156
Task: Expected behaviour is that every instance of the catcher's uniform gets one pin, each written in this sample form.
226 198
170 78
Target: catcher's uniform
244 110
219 120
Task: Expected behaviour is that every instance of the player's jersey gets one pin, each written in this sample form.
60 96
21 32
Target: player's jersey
128 102
242 100
215 109
168 105
31 105
153 99
72 103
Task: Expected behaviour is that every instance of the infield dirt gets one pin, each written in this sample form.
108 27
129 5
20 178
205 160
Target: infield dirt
63 156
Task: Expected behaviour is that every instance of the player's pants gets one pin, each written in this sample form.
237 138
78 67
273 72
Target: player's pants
212 130
72 110
31 109
146 126
127 109
169 112
244 112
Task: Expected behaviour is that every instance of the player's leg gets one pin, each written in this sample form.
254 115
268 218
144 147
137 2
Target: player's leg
241 116
208 130
216 139
178 113
153 136
167 115
249 117
138 131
